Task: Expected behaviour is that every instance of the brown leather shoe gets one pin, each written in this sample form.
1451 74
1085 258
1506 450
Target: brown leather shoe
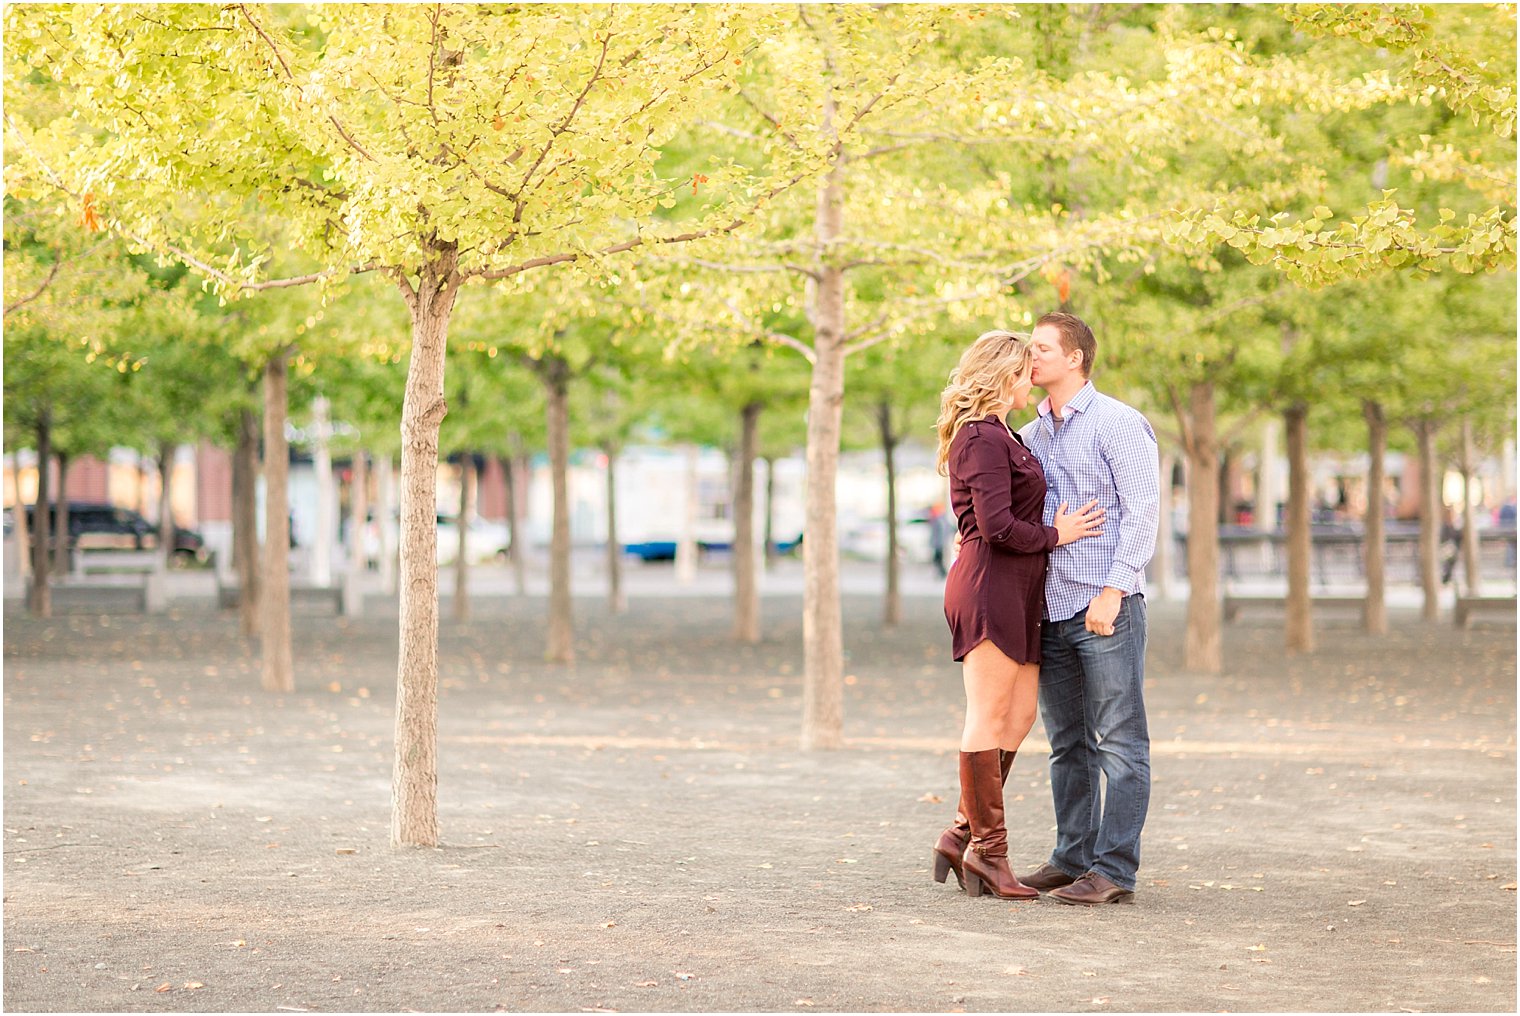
952 842
1046 876
1092 890
985 862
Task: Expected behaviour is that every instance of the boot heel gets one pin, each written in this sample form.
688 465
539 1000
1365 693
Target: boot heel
973 884
941 867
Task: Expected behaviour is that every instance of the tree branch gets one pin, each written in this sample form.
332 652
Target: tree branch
1244 422
1184 422
627 245
564 124
768 118
290 76
433 59
747 269
52 274
781 338
239 284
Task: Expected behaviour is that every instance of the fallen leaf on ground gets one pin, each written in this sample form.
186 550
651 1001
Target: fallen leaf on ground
932 799
192 985
1355 903
646 984
166 986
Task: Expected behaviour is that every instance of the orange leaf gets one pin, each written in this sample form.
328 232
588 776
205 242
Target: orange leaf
498 122
88 217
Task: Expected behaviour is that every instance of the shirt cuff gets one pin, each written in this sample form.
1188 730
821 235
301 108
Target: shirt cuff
1122 576
1052 538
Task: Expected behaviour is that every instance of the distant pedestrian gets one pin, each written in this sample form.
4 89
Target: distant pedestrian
1451 534
939 535
994 596
1506 520
1093 639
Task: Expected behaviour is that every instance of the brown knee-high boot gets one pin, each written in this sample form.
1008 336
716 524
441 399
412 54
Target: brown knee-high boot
985 862
952 842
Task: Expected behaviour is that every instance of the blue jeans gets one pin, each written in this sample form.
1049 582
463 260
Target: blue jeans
1091 700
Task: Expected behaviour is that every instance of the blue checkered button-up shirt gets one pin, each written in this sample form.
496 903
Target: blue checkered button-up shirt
1105 450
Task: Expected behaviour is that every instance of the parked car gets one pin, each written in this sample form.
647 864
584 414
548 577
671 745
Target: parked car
867 539
488 540
106 527
665 550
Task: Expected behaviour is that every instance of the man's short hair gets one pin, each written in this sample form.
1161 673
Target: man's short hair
1075 335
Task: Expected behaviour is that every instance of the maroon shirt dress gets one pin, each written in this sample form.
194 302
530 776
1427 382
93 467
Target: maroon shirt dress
996 588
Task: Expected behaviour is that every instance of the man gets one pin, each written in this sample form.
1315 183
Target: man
1092 642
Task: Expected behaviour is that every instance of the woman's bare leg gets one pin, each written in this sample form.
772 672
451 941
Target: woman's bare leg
1022 703
991 679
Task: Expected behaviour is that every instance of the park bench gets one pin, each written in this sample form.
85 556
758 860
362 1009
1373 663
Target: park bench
1467 606
1234 603
130 580
227 596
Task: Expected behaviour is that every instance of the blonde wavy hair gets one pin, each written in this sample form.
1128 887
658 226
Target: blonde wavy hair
978 384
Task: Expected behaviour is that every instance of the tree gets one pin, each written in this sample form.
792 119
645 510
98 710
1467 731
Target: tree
433 145
1462 55
69 294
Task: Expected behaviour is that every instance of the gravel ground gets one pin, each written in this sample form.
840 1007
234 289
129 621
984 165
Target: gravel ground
639 832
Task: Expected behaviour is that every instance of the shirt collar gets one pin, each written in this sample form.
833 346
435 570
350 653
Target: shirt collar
1079 402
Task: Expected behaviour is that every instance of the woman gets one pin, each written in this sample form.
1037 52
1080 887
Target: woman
994 596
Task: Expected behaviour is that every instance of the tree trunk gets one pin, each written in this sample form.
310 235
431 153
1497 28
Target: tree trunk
22 530
358 525
274 599
770 513
561 645
617 602
245 526
686 542
40 595
62 541
1430 520
517 493
1228 465
467 487
414 778
1162 564
166 505
1470 561
822 625
322 544
746 585
385 510
1374 542
1299 634
892 609
1203 649
1268 484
